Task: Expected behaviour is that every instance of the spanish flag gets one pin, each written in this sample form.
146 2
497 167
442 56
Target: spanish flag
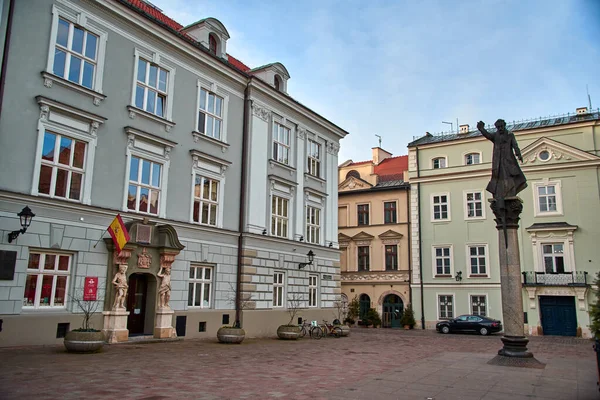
119 233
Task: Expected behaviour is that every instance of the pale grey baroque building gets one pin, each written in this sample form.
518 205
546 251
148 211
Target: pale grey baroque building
110 107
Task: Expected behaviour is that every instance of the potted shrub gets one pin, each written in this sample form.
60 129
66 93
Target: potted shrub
353 311
408 318
290 331
372 318
85 339
235 334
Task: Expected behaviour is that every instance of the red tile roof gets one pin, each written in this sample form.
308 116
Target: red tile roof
149 11
392 166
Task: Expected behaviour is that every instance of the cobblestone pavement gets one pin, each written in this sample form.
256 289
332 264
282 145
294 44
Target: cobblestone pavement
369 364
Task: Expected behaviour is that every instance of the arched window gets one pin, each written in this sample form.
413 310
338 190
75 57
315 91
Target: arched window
364 305
277 82
354 173
472 158
439 162
212 44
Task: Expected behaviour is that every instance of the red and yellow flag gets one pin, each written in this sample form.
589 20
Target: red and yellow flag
119 233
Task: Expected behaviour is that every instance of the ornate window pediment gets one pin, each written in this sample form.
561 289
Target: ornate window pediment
390 237
362 238
546 150
353 183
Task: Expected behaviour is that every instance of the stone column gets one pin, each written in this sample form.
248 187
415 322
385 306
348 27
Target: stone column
163 321
507 223
115 320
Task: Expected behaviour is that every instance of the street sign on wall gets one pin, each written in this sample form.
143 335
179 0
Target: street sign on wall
90 288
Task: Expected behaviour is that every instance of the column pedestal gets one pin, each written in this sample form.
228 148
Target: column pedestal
115 326
163 324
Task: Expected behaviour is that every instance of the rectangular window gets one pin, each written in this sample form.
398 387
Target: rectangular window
391 257
442 260
313 282
314 158
363 258
389 212
206 200
200 284
472 158
554 260
151 88
47 280
439 163
477 260
547 198
62 167
313 224
281 143
474 204
363 214
478 306
75 54
144 186
440 207
278 289
445 306
210 115
279 216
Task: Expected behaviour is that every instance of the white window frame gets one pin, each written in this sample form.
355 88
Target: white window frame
314 162
445 158
56 117
313 288
40 272
466 204
215 89
158 60
472 153
275 217
89 23
468 259
312 228
487 304
153 149
279 144
279 286
201 282
554 255
437 302
207 166
558 193
448 207
434 261
564 237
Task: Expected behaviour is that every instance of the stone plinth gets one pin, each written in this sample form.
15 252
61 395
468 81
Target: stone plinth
115 326
163 328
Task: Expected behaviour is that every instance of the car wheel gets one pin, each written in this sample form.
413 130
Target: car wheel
445 329
483 331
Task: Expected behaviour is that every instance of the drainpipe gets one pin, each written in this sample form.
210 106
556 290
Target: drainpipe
242 210
420 246
11 7
410 297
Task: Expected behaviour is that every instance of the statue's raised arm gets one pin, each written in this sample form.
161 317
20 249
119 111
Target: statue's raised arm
484 132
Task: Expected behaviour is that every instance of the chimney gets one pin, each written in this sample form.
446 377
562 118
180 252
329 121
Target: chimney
581 110
463 128
379 155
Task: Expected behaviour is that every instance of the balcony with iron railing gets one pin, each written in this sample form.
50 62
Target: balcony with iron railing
533 278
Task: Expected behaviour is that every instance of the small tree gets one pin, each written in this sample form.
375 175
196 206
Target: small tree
340 310
353 311
595 309
372 318
87 307
246 302
293 306
408 318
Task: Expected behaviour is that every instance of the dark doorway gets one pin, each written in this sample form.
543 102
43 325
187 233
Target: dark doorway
393 308
136 303
559 316
364 305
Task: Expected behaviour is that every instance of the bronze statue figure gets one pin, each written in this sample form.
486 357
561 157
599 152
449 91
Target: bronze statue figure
507 177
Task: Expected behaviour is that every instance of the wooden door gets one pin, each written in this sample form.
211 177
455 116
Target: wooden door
136 303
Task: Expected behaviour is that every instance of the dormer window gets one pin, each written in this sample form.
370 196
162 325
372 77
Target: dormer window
212 44
277 82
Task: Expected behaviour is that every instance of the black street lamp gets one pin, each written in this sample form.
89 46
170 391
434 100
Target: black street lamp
311 257
25 217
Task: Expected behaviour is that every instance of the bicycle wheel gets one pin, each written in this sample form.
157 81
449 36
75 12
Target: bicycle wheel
302 331
316 333
337 332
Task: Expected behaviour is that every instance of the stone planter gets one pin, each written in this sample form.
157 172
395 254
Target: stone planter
288 332
84 342
231 335
345 330
406 327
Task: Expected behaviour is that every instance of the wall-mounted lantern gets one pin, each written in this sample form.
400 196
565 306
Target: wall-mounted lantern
311 257
25 217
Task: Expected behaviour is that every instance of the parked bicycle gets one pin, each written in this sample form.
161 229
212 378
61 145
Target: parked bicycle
330 330
313 330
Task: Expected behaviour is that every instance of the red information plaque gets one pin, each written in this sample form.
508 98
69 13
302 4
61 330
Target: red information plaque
90 288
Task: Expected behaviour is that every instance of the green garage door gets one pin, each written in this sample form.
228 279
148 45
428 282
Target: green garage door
558 315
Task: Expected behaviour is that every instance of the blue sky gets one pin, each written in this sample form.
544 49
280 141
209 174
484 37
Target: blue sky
400 68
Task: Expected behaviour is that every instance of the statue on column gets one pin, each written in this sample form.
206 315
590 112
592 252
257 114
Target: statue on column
164 290
121 286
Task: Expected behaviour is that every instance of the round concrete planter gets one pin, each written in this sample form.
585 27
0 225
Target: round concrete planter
345 330
288 332
231 335
84 342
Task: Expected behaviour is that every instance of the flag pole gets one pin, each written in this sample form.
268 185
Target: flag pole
101 236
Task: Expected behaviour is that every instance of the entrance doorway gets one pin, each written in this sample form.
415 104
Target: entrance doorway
393 308
559 316
136 303
364 304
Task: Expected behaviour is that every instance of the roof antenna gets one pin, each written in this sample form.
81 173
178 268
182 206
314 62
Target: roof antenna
589 98
379 139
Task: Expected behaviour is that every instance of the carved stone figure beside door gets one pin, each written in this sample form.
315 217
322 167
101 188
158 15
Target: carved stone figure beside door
164 291
120 283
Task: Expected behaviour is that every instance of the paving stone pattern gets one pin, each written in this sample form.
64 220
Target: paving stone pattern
369 364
